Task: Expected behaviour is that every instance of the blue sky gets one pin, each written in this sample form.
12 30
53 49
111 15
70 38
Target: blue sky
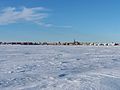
60 20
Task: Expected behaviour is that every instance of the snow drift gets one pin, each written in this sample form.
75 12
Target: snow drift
59 68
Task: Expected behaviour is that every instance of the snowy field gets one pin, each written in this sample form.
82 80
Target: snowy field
59 68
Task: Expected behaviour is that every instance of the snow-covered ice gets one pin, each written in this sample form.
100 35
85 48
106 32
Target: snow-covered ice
59 68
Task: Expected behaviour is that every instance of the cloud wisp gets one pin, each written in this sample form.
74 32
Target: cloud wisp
35 15
13 15
48 25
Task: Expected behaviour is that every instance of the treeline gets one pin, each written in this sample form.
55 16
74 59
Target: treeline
60 43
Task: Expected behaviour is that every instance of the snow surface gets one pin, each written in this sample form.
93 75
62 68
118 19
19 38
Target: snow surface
59 68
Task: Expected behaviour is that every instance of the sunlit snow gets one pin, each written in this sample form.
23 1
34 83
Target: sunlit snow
59 68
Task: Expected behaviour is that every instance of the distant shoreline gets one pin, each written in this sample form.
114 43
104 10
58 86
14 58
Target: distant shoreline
75 43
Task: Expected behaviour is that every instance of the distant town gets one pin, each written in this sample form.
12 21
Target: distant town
61 43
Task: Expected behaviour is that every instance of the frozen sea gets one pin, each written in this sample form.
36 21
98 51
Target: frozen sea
59 68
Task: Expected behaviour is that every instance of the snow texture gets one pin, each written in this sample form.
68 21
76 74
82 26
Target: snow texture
59 68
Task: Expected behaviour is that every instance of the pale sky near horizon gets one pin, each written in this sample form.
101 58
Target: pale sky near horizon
60 20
